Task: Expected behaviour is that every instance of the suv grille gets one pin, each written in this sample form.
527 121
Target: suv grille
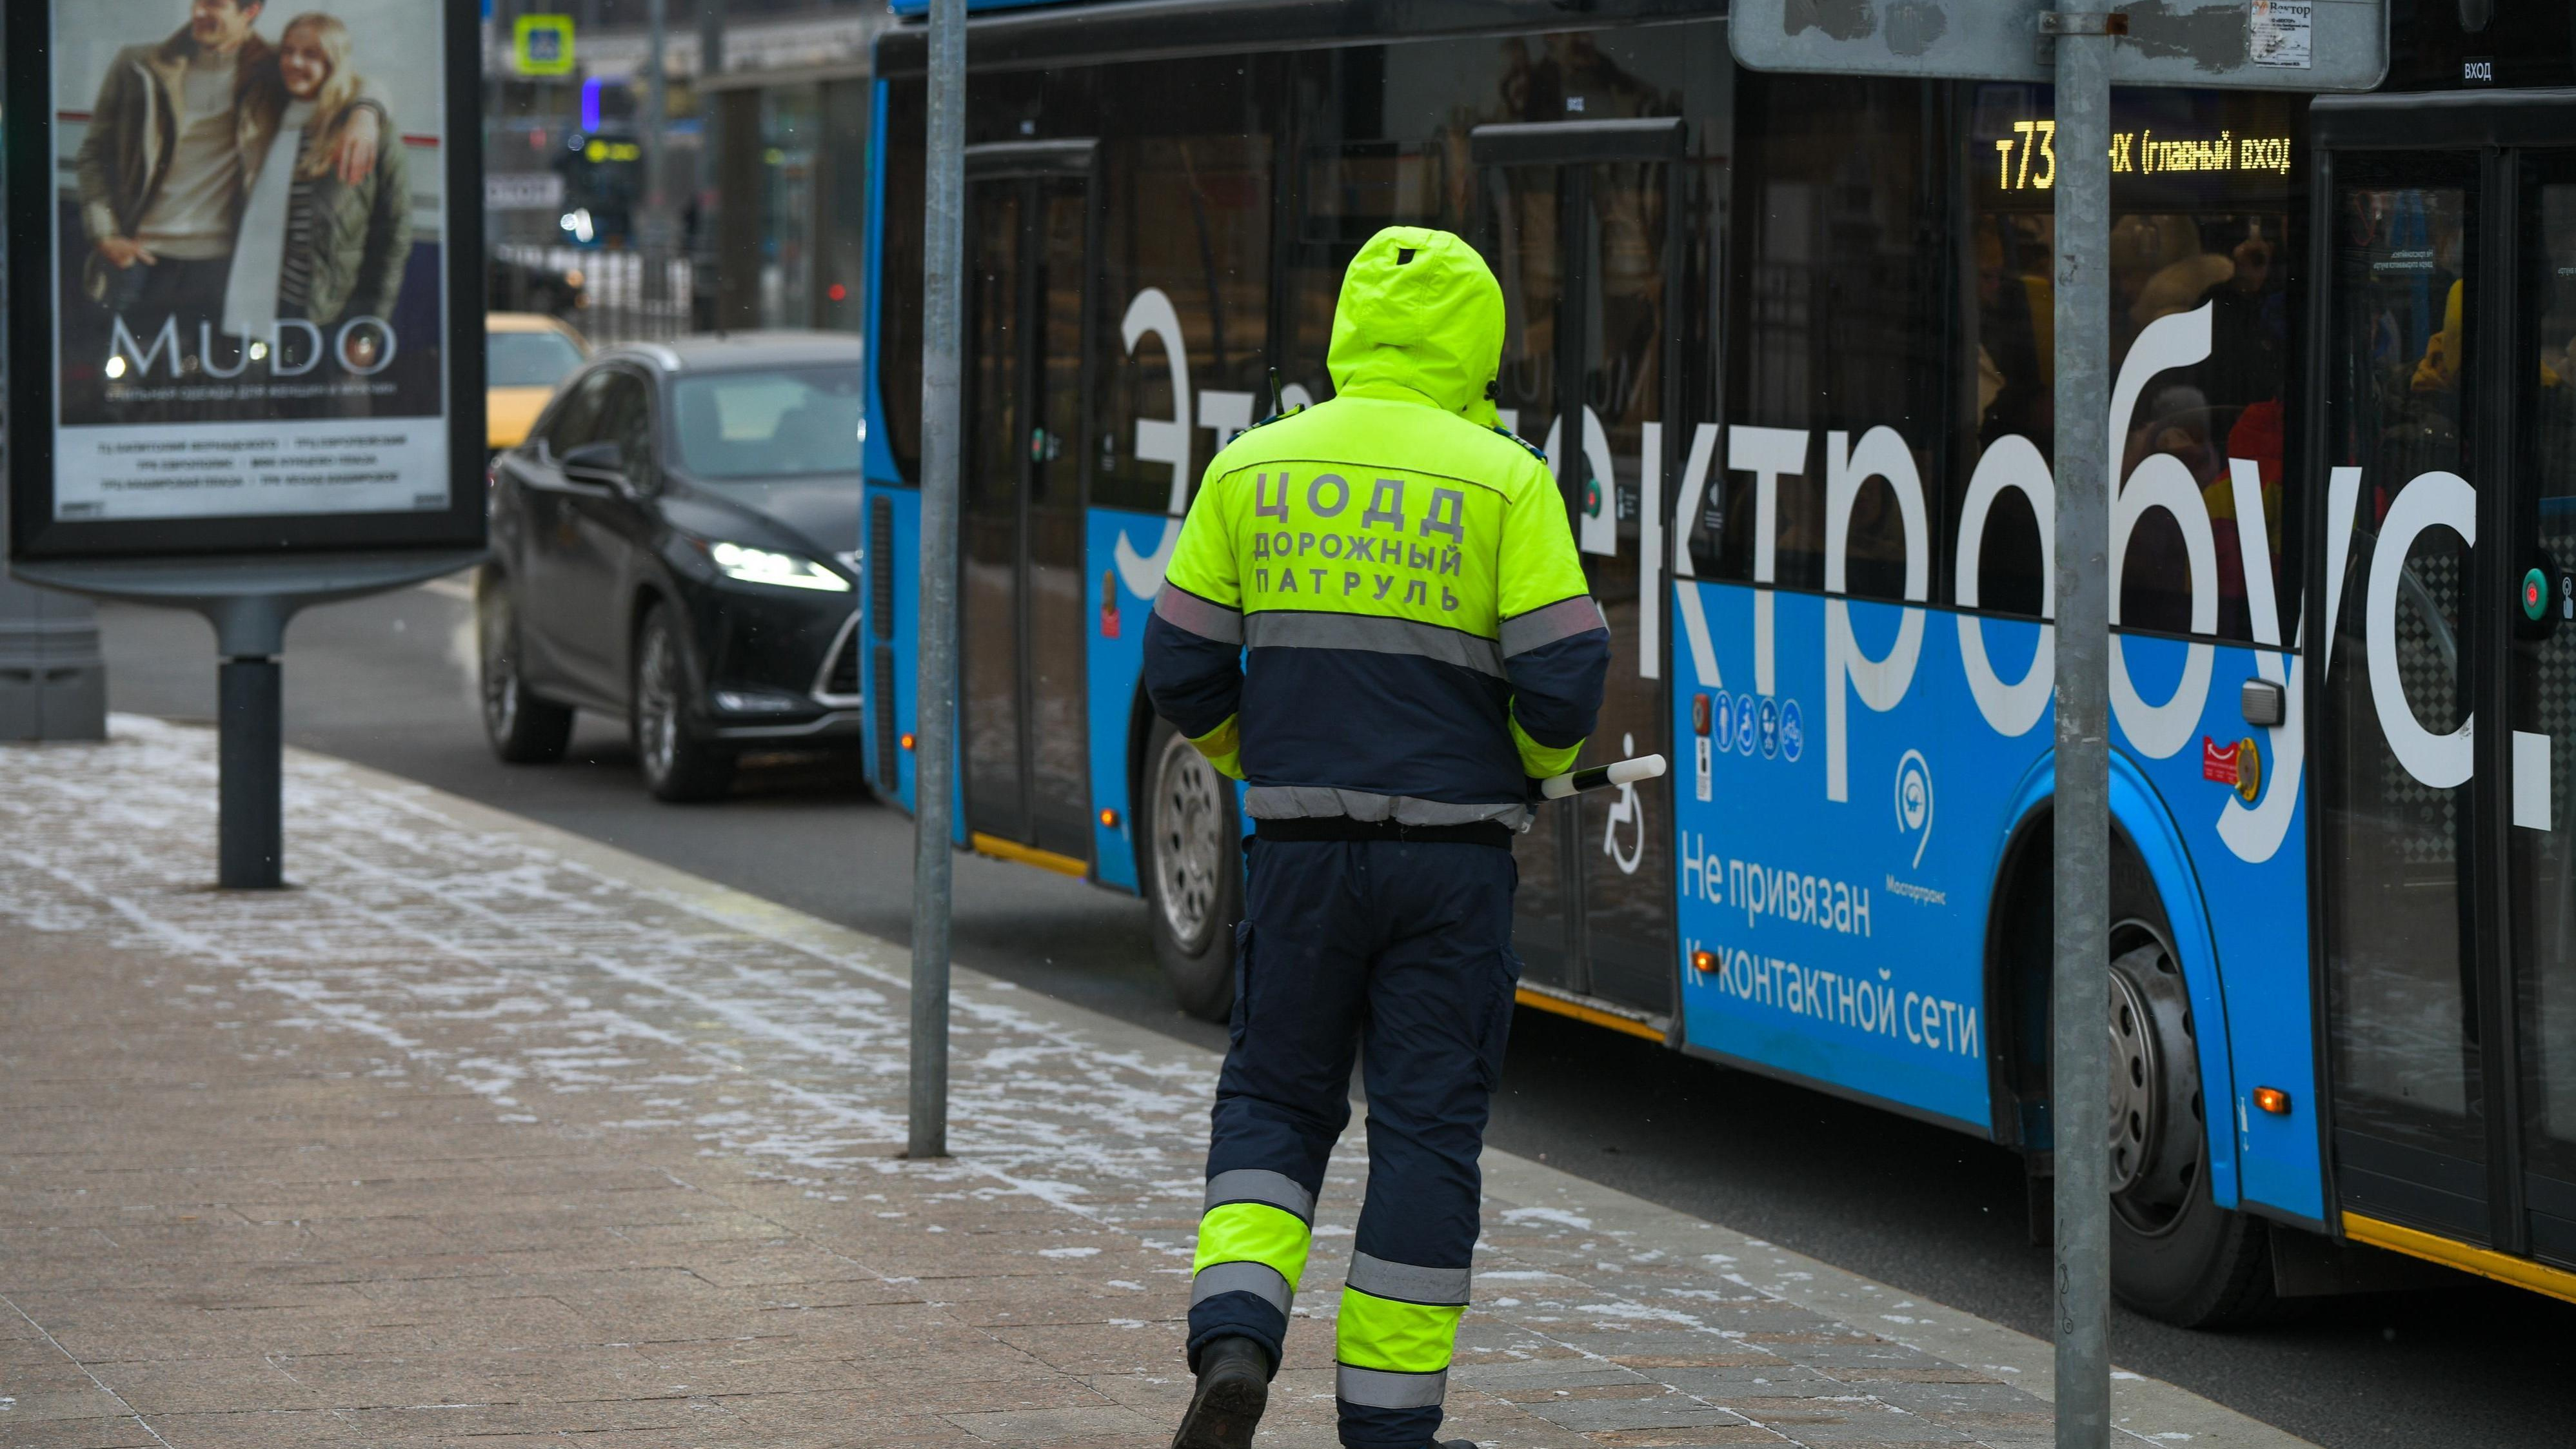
889 767
843 681
880 566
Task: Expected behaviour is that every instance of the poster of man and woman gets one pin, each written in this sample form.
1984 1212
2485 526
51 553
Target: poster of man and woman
251 311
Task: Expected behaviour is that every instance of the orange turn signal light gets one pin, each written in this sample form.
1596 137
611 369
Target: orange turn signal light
2272 1100
1703 962
1108 819
907 742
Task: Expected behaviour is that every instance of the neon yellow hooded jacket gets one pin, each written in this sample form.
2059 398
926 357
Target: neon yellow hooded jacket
1375 608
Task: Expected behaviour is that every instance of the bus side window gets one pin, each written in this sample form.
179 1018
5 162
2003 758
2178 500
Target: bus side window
1185 186
2200 229
1840 289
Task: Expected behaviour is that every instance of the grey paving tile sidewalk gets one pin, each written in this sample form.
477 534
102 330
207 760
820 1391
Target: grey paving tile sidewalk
487 1133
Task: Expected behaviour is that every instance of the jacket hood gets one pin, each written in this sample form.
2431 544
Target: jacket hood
1421 316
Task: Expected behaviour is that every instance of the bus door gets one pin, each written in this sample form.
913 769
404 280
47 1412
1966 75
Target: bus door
2447 402
1021 709
1580 223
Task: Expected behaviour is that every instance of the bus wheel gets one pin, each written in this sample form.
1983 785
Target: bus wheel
1193 873
2176 1255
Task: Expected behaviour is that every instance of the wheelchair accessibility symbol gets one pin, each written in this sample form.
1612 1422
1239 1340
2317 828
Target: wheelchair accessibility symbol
1626 810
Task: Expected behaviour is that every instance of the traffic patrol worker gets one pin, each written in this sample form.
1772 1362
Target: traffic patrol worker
1375 617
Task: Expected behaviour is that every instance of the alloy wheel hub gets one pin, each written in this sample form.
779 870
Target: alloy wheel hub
500 673
1188 844
2137 1086
658 702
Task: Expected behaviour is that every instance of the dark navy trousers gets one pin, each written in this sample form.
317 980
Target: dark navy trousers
1399 952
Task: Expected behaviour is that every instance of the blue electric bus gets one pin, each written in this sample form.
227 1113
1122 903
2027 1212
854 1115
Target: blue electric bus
1786 341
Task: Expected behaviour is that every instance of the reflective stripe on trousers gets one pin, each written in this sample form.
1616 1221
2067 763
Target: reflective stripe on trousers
1379 1389
1397 1330
1253 1237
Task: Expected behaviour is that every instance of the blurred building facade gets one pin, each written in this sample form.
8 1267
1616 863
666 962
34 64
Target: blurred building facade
762 221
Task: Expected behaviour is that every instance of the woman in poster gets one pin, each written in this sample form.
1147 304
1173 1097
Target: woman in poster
315 245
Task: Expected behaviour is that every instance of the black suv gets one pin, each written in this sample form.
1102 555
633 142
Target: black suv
676 543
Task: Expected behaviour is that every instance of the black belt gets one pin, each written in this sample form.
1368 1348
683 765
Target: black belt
1342 827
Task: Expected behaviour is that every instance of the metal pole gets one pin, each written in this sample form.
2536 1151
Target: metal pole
711 35
942 275
2080 1081
711 64
656 230
250 829
704 286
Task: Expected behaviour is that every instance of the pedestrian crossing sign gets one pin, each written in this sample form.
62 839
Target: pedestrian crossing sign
542 44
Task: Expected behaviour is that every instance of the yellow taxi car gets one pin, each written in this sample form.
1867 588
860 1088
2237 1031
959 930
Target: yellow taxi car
525 354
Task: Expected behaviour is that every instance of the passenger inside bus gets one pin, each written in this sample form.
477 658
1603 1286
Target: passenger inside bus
2016 331
2167 269
2164 264
2249 319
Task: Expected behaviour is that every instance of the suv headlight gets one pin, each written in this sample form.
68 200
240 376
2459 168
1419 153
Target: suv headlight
760 566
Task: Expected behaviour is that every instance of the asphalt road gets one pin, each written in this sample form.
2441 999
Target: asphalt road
387 682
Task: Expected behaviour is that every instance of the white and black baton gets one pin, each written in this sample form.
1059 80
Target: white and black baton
1601 777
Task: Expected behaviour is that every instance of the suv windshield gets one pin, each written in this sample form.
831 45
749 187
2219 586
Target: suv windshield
775 424
528 359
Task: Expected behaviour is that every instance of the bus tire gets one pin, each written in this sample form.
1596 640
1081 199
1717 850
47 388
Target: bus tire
1193 872
2176 1255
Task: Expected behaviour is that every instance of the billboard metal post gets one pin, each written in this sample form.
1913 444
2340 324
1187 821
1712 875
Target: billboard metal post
942 278
2079 1081
250 748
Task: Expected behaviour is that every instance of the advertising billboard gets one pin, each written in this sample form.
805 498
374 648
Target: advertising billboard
246 220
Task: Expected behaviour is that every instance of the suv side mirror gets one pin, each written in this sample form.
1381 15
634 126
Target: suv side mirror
599 463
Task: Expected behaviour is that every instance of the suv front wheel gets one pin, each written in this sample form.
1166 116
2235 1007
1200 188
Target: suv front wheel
678 763
521 728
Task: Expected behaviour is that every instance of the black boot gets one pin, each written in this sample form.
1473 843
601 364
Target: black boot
1234 1385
